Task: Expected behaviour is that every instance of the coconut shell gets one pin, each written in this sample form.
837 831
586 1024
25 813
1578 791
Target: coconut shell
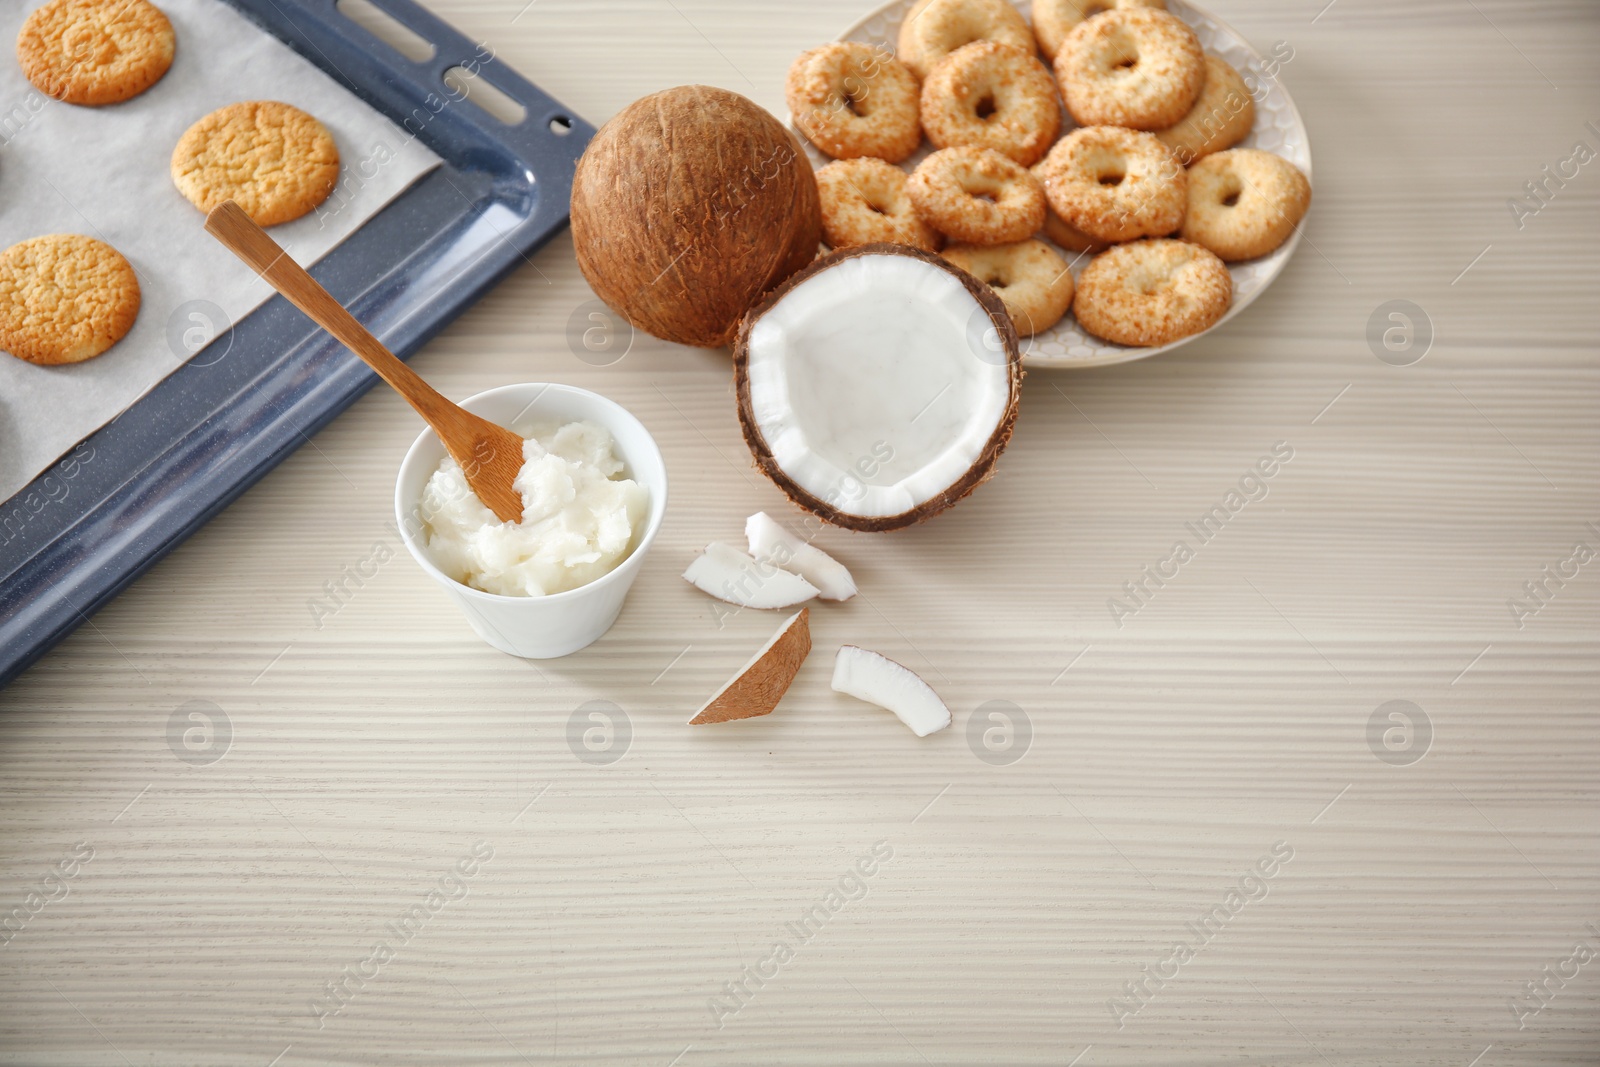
758 688
687 207
980 472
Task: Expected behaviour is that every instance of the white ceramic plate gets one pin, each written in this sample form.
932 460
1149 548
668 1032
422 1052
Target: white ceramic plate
1279 129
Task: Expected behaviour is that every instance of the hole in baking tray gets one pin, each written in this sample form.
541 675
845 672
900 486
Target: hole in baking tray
466 85
388 29
561 125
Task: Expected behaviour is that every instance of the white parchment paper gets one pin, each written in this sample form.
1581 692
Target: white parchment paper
104 172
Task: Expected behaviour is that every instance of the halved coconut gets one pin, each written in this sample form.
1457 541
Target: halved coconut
878 386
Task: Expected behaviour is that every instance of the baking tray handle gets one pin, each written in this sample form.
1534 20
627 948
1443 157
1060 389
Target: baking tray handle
548 137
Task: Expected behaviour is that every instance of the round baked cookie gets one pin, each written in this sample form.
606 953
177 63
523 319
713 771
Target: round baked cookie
1151 293
95 52
932 29
1066 235
854 100
1133 67
1063 233
1030 279
1244 203
976 196
1054 19
64 298
864 201
992 95
1223 115
275 161
1115 184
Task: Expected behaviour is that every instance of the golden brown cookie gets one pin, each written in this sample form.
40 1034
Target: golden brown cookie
1244 203
854 100
992 95
1115 184
275 161
1063 233
1054 19
64 298
1135 67
95 51
932 29
864 201
1068 236
1222 116
976 196
1152 293
1028 277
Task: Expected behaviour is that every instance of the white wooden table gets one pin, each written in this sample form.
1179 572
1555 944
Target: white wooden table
212 904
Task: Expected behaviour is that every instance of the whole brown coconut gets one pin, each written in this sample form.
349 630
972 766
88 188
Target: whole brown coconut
689 206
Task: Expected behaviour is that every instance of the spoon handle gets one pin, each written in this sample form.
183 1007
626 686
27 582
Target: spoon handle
229 224
489 455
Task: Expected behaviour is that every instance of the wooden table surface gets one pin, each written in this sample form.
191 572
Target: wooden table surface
385 779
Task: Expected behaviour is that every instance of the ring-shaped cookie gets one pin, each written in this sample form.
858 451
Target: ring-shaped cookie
1115 184
1244 203
852 100
1029 277
1223 115
864 201
976 196
992 95
1054 19
1152 293
932 29
1133 67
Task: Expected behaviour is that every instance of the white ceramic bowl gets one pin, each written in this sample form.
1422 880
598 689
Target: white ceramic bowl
1278 129
542 627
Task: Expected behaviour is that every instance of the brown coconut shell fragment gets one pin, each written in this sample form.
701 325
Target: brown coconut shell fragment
758 687
981 471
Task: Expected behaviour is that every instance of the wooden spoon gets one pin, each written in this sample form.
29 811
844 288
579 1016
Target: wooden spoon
490 455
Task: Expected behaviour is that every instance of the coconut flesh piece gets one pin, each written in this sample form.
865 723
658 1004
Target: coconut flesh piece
774 543
878 386
728 574
761 682
880 680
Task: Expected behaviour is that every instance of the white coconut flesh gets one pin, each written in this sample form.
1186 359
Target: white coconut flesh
728 574
877 383
774 543
879 680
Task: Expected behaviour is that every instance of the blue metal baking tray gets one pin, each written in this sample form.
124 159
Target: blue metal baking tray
132 491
